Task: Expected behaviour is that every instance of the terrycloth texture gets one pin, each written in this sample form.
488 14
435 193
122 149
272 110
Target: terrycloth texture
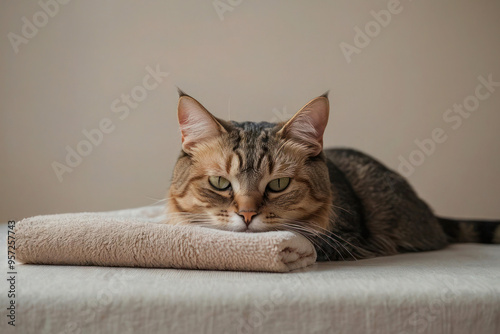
451 291
137 238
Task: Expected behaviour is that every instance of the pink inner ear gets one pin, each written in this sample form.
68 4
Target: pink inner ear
196 123
318 114
182 123
308 125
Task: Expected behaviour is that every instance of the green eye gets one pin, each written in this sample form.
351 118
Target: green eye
219 183
278 185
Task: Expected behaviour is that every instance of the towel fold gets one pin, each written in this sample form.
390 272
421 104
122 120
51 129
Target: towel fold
139 238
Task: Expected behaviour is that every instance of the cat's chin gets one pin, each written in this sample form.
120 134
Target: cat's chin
235 224
250 230
245 229
230 228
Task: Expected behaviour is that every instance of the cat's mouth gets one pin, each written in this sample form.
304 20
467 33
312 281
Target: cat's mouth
253 231
249 229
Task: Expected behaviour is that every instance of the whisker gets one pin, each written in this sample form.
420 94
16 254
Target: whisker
306 235
329 237
341 208
316 234
328 231
157 200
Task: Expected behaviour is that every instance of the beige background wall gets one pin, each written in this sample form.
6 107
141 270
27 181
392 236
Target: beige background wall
264 60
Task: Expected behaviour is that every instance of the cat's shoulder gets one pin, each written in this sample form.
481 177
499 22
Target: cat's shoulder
349 158
336 153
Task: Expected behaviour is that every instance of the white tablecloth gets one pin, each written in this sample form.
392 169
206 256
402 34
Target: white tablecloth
456 290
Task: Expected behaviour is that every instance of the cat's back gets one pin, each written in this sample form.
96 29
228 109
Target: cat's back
369 178
356 164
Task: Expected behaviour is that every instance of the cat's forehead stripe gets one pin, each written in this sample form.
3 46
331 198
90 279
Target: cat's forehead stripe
251 145
229 161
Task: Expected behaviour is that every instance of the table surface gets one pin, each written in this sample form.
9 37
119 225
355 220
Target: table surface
454 290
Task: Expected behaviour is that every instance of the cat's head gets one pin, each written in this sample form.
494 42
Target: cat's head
251 177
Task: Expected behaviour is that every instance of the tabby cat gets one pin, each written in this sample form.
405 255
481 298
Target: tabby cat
253 177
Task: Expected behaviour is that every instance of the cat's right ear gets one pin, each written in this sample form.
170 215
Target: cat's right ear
196 123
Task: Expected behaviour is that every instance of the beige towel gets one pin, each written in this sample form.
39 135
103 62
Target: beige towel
138 238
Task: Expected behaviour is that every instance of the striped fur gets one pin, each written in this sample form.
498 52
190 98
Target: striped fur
250 155
347 203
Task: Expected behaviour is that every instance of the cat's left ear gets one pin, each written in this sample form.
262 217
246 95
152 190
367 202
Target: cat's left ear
307 126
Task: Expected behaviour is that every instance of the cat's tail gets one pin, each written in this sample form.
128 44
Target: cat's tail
481 231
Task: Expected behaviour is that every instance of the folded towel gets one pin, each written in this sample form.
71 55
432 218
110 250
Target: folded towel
139 238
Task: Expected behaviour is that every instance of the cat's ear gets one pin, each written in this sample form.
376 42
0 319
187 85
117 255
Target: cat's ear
307 126
196 123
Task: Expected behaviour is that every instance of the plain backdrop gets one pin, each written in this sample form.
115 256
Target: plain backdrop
244 60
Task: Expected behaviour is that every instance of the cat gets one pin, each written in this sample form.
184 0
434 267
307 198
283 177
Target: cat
256 177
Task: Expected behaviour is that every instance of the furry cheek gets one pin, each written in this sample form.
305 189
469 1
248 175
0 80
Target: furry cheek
258 225
235 224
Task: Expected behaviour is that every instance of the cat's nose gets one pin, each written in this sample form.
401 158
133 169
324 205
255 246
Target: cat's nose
247 216
247 206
